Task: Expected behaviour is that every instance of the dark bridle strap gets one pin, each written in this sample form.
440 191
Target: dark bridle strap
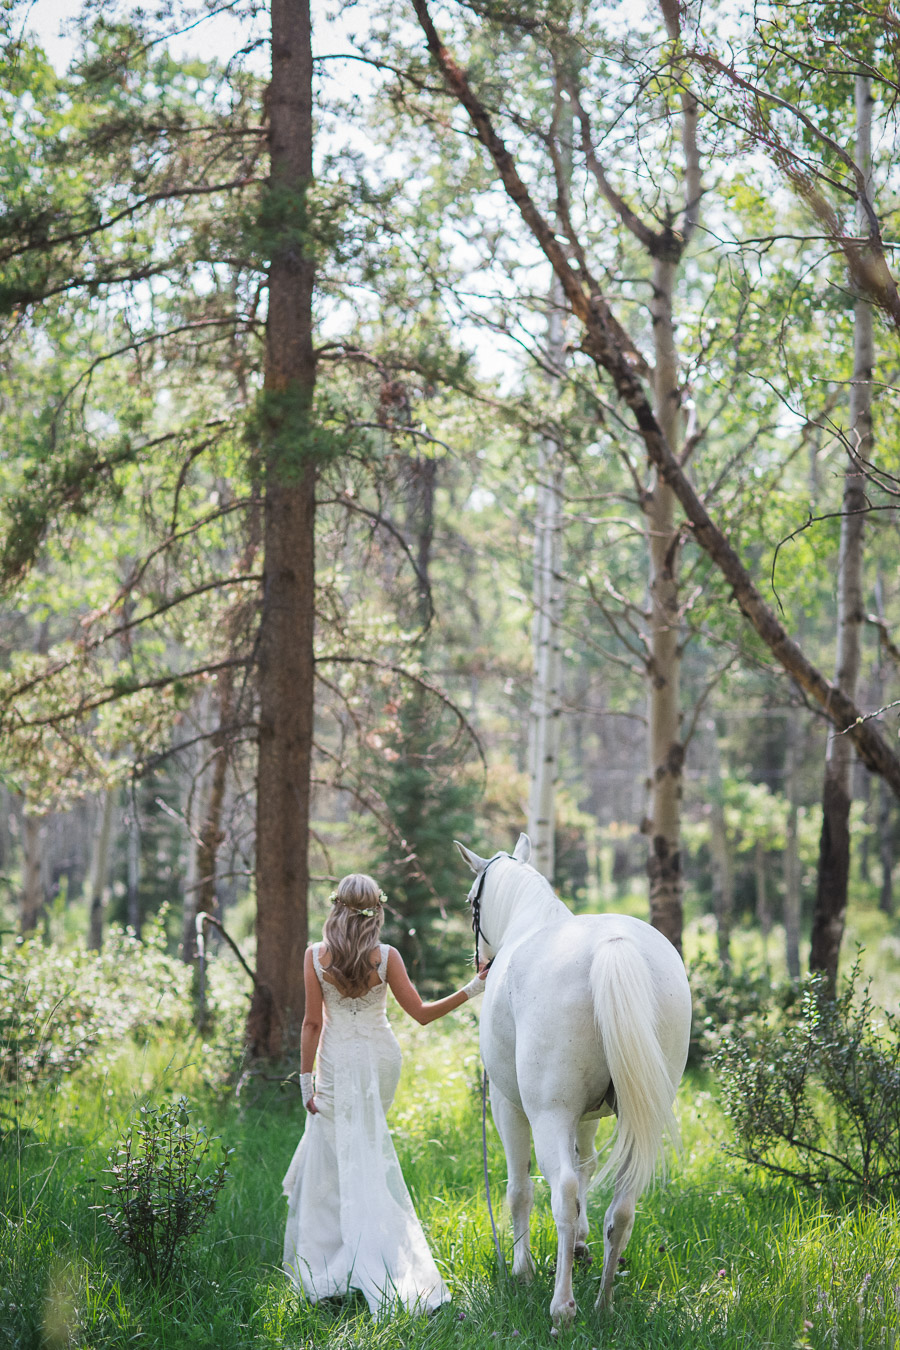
476 900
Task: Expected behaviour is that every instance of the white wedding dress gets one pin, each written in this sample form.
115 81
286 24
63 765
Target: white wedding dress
351 1222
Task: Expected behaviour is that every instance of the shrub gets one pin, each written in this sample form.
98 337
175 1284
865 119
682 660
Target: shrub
60 1007
818 1099
160 1195
724 1001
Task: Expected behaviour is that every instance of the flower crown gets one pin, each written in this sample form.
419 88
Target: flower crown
368 913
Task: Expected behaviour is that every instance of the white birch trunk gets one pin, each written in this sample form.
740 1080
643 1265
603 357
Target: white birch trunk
545 720
666 751
100 869
135 915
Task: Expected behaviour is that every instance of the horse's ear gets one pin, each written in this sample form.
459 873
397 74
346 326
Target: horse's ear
522 850
477 864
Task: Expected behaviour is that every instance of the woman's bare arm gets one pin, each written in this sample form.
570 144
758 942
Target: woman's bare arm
406 994
312 1021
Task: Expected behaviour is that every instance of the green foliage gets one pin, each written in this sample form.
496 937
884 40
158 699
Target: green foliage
162 1192
430 803
817 1097
60 1008
283 423
726 1001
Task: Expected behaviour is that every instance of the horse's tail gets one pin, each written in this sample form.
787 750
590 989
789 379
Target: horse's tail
625 1010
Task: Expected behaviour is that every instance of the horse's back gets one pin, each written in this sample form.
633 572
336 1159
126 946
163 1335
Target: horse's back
541 1041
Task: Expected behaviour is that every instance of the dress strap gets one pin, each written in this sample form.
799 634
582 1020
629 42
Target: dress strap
382 964
316 963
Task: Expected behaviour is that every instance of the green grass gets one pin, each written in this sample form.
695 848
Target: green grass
722 1256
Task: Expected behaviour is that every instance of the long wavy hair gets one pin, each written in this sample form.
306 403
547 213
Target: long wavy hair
350 934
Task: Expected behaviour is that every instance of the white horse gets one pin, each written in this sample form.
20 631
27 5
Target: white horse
583 1015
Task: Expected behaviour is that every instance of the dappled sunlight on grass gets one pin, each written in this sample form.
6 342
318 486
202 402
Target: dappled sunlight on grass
720 1256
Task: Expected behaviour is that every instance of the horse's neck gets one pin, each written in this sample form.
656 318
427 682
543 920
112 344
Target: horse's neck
524 903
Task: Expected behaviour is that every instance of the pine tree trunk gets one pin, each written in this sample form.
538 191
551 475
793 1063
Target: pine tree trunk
664 667
420 528
285 650
834 844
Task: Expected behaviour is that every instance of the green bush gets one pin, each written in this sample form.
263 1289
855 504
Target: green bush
61 1007
817 1099
724 1001
160 1196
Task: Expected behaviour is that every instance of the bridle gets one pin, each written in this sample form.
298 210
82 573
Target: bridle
475 900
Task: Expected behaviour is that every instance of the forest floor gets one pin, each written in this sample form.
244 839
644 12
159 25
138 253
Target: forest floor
721 1256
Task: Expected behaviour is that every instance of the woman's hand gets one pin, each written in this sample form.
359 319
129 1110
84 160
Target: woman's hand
306 1089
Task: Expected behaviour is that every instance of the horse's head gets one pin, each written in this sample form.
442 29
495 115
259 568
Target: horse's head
484 949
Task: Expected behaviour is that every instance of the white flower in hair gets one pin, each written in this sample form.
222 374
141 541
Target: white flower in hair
368 913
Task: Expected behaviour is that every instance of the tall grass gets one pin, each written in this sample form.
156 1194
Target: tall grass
721 1257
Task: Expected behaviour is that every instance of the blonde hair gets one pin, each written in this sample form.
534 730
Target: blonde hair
352 929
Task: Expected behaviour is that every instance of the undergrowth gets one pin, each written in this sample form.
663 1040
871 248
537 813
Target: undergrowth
723 1256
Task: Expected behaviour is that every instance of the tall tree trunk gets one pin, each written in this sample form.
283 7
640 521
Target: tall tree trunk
420 528
792 852
135 912
834 845
720 847
664 538
883 826
664 667
885 849
32 904
763 916
545 720
285 651
100 868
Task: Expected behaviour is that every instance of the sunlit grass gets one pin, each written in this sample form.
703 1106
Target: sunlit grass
721 1256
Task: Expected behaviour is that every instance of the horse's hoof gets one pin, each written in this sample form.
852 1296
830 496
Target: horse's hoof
583 1256
564 1315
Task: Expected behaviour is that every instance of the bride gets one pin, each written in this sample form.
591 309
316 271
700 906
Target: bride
351 1222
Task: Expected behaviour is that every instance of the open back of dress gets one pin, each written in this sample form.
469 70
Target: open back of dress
351 1222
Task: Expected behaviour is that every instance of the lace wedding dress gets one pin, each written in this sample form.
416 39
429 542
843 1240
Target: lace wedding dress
351 1222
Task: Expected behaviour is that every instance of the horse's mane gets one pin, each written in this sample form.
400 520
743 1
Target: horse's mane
519 889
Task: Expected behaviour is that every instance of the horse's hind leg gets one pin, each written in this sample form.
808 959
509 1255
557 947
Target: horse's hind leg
587 1164
554 1143
617 1228
515 1132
